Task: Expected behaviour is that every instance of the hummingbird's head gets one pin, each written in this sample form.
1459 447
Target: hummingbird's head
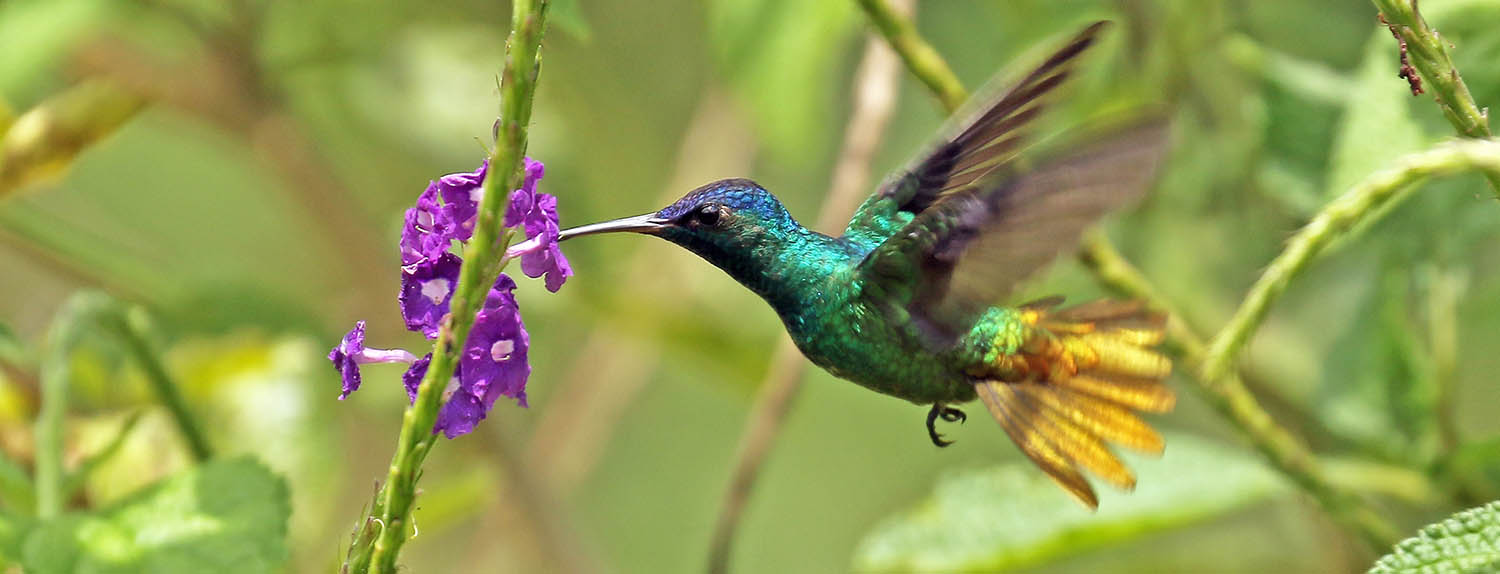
723 221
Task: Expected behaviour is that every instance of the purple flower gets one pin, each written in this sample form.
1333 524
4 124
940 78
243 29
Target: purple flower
422 238
493 364
351 353
461 194
412 378
426 289
537 214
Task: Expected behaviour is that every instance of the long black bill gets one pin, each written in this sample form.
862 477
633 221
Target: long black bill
648 223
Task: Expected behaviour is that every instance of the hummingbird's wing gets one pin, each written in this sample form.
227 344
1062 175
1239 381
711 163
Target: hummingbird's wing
971 247
981 143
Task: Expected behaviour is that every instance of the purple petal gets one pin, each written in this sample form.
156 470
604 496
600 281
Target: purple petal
343 358
521 202
412 378
422 237
461 194
493 364
426 289
547 260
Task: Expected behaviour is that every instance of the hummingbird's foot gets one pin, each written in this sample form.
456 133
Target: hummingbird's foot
949 414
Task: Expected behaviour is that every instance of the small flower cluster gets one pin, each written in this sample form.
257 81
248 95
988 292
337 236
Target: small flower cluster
493 363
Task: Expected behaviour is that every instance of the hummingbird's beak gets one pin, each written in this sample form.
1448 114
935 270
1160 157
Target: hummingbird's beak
648 223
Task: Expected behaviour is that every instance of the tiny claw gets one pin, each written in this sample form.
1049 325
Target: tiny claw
949 414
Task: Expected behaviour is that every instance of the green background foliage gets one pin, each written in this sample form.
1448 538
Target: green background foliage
252 209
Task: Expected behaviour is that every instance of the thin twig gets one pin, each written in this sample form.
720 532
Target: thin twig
1426 51
874 101
1355 206
130 329
920 57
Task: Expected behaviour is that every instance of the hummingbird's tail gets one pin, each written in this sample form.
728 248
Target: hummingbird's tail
1080 376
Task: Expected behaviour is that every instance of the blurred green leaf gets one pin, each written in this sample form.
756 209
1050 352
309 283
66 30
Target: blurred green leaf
17 492
1013 515
781 58
35 36
225 516
1373 379
567 15
12 349
1476 467
13 531
1378 125
1465 542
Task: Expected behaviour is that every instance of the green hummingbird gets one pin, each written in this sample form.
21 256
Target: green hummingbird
904 302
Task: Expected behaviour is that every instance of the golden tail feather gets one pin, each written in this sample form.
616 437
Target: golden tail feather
1082 374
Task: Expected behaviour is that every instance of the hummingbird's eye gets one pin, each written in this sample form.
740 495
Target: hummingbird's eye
707 214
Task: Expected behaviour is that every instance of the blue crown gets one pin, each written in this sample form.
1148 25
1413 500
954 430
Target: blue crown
741 195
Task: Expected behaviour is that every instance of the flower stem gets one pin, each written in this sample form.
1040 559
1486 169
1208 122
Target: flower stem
129 326
1428 53
390 517
1362 202
1228 395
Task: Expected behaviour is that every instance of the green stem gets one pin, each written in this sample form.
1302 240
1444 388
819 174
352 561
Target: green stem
390 517
1234 401
129 326
1428 53
919 56
49 435
62 337
1362 202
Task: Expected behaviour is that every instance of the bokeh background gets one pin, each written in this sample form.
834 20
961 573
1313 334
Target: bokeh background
253 207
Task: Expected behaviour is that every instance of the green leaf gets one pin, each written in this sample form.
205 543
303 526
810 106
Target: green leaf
37 35
1377 123
12 349
1374 387
1476 467
1013 516
781 57
568 16
13 531
1465 542
225 516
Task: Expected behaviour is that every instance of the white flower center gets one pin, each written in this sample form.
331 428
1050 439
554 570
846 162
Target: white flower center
476 195
435 290
424 219
501 350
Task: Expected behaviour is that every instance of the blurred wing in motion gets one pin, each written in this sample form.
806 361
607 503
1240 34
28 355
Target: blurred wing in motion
976 147
970 248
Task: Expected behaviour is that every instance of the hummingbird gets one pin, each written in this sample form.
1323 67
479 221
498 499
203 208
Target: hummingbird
908 300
